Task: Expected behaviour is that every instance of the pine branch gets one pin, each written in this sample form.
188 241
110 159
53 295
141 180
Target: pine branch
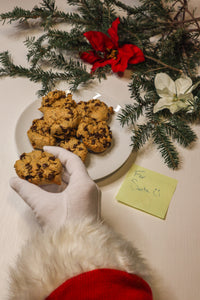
47 13
180 131
165 146
141 135
69 41
17 14
130 114
74 73
97 14
36 50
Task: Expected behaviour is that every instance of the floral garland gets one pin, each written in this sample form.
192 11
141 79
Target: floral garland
158 41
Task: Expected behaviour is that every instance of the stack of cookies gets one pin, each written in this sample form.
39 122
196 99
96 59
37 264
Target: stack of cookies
78 127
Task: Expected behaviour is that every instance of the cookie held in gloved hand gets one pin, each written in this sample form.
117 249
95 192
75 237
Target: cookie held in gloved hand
39 167
80 199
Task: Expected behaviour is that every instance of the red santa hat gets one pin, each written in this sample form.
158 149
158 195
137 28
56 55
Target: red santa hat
103 284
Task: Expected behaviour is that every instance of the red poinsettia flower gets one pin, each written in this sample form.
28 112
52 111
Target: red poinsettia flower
107 51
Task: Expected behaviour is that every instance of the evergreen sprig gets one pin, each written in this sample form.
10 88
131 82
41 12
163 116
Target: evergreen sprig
166 147
74 72
166 31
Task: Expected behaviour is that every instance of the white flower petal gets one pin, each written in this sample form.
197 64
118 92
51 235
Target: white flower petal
186 97
174 95
182 85
165 86
178 105
162 103
193 87
174 108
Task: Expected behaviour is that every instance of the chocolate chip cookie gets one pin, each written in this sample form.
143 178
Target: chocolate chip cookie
39 167
57 99
95 109
62 122
39 134
76 146
96 136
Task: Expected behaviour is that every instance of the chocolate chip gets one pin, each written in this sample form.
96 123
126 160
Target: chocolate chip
34 128
98 135
51 176
52 158
67 139
28 177
23 155
64 129
39 166
28 167
40 174
45 166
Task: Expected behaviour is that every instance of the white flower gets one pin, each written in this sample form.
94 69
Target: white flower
174 95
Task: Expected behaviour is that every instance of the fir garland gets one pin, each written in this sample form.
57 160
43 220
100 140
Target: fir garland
166 31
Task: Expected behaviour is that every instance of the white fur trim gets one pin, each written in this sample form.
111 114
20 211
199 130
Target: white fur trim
49 259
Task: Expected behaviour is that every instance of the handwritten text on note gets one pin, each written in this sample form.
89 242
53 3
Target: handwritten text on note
147 190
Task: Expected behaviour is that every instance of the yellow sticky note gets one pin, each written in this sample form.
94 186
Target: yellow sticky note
147 190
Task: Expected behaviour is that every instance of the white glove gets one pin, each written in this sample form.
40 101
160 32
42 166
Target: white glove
80 199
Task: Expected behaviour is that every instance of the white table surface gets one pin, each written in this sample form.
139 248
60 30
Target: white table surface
171 246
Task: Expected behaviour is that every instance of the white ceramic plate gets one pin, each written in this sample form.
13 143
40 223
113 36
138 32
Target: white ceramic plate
98 165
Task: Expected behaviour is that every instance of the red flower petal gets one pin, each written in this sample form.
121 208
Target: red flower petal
101 63
90 57
120 64
132 52
128 53
138 55
112 31
99 40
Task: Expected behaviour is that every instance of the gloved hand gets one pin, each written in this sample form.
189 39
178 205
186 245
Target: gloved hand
80 199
